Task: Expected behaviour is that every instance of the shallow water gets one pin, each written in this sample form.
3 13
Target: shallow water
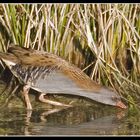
82 119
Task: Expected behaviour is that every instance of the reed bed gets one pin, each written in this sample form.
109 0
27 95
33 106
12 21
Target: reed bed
102 39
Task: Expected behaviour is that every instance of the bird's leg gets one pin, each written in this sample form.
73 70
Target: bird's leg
26 89
42 99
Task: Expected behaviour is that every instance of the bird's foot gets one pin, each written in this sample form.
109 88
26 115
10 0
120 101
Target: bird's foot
46 113
42 99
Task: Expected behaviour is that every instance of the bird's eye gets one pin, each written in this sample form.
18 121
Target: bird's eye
114 98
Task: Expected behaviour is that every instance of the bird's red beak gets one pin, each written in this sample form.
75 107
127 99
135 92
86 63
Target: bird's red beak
121 105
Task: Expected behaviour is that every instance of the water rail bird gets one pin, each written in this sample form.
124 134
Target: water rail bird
50 74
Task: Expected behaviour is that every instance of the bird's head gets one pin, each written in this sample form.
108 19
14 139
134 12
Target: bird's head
111 98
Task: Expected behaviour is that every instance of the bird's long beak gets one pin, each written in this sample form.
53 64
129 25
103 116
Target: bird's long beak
121 105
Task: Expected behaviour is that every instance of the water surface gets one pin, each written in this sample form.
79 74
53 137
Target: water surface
85 118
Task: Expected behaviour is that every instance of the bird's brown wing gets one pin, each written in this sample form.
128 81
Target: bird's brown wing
30 58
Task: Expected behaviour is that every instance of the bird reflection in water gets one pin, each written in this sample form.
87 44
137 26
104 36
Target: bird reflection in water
72 120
